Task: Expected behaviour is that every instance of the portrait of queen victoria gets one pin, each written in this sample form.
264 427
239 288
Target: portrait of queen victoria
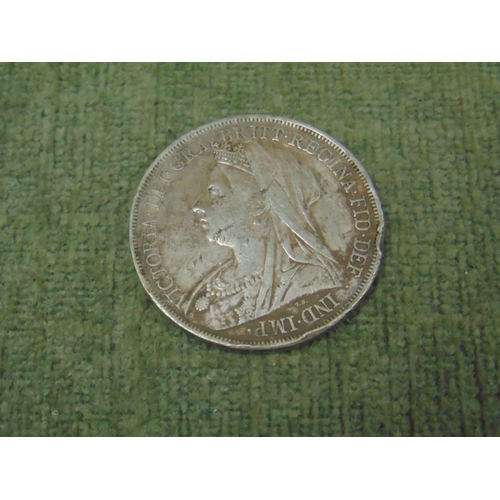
259 202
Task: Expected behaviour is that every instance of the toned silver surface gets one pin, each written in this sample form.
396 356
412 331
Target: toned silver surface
256 232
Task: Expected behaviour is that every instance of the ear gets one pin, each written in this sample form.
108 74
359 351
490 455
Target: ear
260 210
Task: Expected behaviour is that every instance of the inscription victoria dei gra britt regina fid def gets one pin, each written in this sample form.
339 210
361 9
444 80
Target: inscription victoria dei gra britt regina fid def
256 232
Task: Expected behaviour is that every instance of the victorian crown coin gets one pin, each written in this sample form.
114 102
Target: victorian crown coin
256 232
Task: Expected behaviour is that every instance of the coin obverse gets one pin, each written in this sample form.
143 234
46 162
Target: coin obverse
256 232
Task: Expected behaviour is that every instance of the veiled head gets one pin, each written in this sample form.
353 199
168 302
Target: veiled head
230 207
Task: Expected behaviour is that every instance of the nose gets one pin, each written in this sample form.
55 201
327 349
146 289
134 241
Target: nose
200 204
198 211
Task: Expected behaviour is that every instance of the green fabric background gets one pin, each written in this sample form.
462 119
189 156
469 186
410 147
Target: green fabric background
83 353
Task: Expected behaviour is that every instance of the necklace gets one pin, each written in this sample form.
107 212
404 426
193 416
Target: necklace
218 289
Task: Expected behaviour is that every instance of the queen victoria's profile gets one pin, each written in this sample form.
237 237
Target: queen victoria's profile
259 203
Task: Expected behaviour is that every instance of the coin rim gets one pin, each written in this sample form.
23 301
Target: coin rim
277 344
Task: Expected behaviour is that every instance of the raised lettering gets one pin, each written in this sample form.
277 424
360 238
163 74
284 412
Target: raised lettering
187 154
158 271
363 225
334 162
202 148
312 147
154 198
153 263
265 129
170 285
277 134
146 248
226 136
322 309
176 300
359 212
164 177
150 235
358 202
331 299
348 185
280 325
356 271
176 164
292 324
153 202
238 131
309 316
254 130
277 326
358 258
343 173
261 331
296 140
361 246
321 156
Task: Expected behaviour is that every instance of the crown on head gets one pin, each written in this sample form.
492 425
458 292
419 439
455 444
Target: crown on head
233 155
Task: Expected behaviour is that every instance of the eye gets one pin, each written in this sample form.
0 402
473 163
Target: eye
214 192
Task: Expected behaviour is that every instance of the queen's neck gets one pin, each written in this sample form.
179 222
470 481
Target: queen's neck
250 257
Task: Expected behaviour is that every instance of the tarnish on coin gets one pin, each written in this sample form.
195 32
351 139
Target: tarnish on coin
256 232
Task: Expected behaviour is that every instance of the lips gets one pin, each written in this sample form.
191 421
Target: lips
202 223
199 218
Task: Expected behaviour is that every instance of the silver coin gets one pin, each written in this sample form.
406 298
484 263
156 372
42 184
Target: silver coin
256 232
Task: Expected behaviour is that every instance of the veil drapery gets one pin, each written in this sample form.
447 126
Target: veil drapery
290 190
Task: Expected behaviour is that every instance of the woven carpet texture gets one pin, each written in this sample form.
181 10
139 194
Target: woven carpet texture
84 353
